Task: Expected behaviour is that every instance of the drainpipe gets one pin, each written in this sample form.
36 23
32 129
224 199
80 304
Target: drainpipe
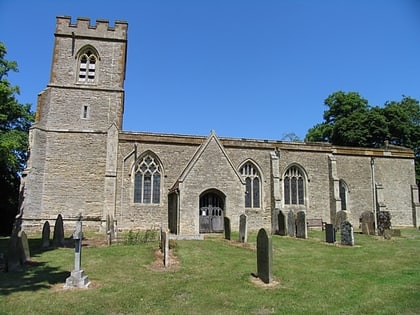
372 166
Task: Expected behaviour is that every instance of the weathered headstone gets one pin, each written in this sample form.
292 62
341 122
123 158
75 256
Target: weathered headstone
384 222
264 256
368 223
291 224
243 228
110 230
301 227
330 233
340 217
347 234
165 247
46 233
77 278
58 236
24 245
227 228
282 223
18 251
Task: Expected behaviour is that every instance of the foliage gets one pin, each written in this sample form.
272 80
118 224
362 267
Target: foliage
15 120
141 237
351 121
376 276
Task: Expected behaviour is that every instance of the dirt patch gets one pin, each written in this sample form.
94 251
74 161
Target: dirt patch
158 265
257 282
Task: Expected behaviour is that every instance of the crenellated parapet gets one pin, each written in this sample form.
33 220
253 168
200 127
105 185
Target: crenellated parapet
84 28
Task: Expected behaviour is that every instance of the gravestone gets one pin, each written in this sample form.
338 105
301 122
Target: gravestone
282 223
58 236
330 233
110 231
18 251
347 235
46 233
384 222
291 224
340 216
77 278
165 247
227 228
301 227
368 223
243 228
264 256
24 244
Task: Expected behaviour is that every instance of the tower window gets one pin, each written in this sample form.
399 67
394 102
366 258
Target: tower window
252 185
87 67
85 112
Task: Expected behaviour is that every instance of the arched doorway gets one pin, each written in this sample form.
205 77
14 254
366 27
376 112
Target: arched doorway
211 212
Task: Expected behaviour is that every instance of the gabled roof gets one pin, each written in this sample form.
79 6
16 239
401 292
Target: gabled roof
201 149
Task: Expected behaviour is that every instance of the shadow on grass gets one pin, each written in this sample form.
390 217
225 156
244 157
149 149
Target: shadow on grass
33 275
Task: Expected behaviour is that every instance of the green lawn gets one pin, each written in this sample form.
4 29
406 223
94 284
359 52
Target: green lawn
376 276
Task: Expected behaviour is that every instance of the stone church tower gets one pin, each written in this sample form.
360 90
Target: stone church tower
73 143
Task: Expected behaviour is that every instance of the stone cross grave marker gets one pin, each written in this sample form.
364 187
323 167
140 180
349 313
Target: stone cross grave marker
77 278
264 256
347 235
282 221
243 228
301 227
58 237
227 228
291 224
368 223
46 233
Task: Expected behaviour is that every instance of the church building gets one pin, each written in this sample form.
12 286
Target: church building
81 161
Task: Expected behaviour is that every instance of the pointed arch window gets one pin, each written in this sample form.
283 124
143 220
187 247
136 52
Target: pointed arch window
87 66
252 185
294 187
147 180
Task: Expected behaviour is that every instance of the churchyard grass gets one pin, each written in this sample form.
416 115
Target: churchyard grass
376 276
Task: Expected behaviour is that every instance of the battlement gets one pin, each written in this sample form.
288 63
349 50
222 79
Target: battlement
84 28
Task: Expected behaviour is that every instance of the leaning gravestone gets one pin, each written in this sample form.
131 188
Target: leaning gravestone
301 227
77 278
291 224
329 233
368 223
282 221
227 228
58 238
347 235
18 251
46 232
264 256
243 228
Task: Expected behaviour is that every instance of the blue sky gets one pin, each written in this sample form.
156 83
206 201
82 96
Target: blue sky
257 69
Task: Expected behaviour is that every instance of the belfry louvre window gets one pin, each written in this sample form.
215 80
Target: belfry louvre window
147 175
87 67
252 185
294 187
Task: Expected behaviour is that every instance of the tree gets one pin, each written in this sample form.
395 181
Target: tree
351 121
15 120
